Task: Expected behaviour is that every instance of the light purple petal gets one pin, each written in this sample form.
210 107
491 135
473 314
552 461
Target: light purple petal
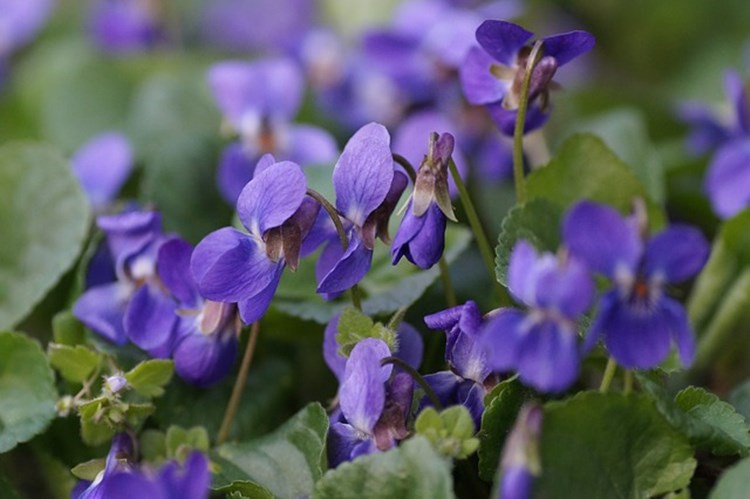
203 360
478 84
501 337
362 391
567 46
567 288
363 174
410 345
253 308
467 356
20 22
228 266
735 90
102 308
311 145
682 333
123 27
235 171
271 197
502 40
102 165
548 357
676 253
638 337
150 320
522 273
728 179
349 269
266 161
450 38
516 483
190 481
601 237
173 267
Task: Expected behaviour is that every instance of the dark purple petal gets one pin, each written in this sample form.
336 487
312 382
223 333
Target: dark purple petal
228 266
516 483
608 302
203 360
254 307
328 258
128 485
505 119
420 239
467 356
129 232
548 357
363 174
566 287
502 40
123 27
601 237
102 308
445 385
471 396
235 171
478 84
349 269
150 320
638 336
334 360
190 481
410 345
362 390
567 46
676 254
728 178
310 145
173 267
102 165
271 197
502 337
682 333
342 440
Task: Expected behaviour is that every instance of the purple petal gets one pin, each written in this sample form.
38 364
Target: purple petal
505 119
228 266
682 333
445 385
253 308
471 396
328 258
334 360
311 145
266 161
728 179
468 357
636 336
363 174
126 485
420 239
102 309
271 197
601 237
349 269
321 232
190 481
608 302
522 273
478 84
123 27
150 320
129 232
450 38
516 483
362 391
22 19
410 345
567 46
102 165
342 440
203 360
548 357
235 171
173 267
676 253
735 89
706 131
501 338
567 288
502 40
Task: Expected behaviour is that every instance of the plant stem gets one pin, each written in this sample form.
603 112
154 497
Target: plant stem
239 385
336 219
609 374
416 377
628 382
476 227
407 166
445 277
520 181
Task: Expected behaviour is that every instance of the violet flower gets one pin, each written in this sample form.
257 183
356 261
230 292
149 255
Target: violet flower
126 26
368 187
102 165
258 101
421 235
120 459
493 74
20 21
520 461
638 320
374 405
541 343
245 268
470 375
727 179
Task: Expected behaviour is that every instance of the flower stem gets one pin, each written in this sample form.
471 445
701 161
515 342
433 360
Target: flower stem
407 166
520 181
445 277
239 385
609 374
416 377
628 382
481 237
336 219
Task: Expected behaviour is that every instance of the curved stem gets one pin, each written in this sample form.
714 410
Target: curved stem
520 181
407 166
239 385
416 377
609 374
336 219
476 226
445 277
628 383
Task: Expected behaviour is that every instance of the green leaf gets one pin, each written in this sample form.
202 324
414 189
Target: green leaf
66 329
286 462
27 389
734 482
450 432
37 188
179 441
585 168
537 222
740 399
149 377
410 471
629 449
501 407
245 489
354 326
74 363
89 469
153 446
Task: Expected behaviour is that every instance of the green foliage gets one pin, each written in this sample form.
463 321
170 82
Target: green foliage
410 471
149 377
245 490
89 469
734 482
66 329
26 388
286 462
74 363
180 442
44 216
354 326
104 416
626 447
451 432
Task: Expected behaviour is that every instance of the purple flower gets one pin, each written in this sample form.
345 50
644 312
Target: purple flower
120 459
102 166
367 189
20 21
126 26
421 235
470 375
245 268
258 101
374 405
541 343
638 320
493 74
520 460
728 178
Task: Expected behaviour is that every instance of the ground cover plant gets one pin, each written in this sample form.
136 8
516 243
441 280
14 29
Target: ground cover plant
418 249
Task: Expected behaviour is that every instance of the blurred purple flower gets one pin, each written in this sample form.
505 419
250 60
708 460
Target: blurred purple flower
638 320
20 21
120 459
126 26
102 166
520 461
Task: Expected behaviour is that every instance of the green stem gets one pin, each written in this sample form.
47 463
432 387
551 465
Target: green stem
336 219
407 166
628 382
239 385
416 377
609 374
520 181
476 226
445 277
